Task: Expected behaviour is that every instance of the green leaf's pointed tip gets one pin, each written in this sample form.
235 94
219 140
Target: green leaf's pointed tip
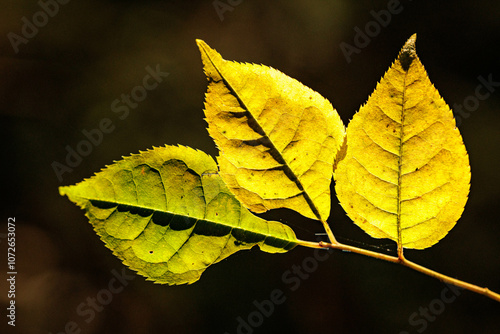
69 192
408 52
63 190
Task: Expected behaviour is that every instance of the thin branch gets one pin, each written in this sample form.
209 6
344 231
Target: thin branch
447 279
329 232
407 263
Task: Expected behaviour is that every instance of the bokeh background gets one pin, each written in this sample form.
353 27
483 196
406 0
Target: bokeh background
64 79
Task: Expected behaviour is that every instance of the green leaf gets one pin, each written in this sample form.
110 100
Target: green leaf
406 173
168 215
278 139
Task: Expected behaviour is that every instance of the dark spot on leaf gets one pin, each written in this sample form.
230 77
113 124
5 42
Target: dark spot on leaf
176 222
211 229
103 204
247 237
135 210
150 252
407 54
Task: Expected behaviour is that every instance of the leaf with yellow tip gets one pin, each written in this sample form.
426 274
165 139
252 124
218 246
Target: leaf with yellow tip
406 173
278 139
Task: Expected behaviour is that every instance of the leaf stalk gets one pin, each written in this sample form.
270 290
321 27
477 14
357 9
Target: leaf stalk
400 259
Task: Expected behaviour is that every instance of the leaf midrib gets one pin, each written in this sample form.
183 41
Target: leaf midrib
287 170
191 217
400 163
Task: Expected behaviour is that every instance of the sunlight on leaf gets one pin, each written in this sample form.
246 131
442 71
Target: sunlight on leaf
169 216
278 139
406 173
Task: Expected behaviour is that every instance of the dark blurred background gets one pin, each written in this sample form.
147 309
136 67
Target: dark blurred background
64 79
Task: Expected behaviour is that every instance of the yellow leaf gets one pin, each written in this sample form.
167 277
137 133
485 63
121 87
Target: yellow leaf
278 139
406 173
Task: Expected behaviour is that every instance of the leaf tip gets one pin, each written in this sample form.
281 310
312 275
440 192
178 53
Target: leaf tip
62 190
210 59
203 47
201 43
408 52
